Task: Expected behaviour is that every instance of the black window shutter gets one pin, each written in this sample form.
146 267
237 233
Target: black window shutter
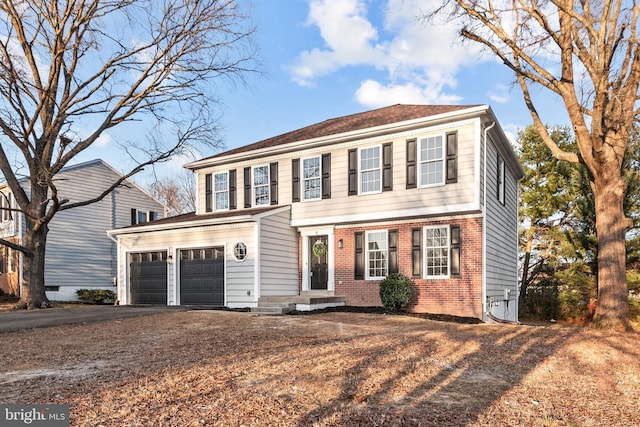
416 252
359 255
295 180
273 175
134 216
393 251
456 246
247 187
353 171
387 166
326 176
208 193
412 163
153 215
233 192
452 157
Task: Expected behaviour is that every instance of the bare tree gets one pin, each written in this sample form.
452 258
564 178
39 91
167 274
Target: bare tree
587 53
177 192
71 70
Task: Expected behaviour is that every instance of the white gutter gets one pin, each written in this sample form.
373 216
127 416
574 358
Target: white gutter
484 221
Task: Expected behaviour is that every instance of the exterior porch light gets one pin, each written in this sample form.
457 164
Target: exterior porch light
340 243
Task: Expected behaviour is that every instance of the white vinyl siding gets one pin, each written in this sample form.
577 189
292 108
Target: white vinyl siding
431 161
278 256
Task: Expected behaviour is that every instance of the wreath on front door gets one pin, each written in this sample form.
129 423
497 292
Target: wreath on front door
319 249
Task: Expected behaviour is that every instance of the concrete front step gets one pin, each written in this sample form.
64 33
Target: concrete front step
308 301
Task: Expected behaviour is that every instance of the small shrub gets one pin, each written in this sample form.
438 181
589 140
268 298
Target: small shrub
95 296
395 291
634 308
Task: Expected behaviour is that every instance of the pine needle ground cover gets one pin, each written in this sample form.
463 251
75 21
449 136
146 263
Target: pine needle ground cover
217 368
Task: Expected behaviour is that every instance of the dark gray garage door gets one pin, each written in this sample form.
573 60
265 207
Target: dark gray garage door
148 277
202 276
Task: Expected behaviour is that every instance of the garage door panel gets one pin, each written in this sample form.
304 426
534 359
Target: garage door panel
148 277
202 276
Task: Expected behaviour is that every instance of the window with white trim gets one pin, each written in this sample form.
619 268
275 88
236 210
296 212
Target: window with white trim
436 241
261 186
240 251
221 191
377 260
370 170
311 179
431 161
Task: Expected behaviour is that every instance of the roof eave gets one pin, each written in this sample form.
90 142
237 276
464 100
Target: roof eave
338 138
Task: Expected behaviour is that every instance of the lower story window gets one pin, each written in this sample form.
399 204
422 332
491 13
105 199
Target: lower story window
437 251
377 254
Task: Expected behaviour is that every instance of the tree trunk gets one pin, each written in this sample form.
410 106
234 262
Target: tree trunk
33 294
612 307
524 282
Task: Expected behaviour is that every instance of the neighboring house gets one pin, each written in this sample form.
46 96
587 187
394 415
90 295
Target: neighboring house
427 191
80 254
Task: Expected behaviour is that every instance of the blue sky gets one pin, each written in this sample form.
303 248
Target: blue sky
328 58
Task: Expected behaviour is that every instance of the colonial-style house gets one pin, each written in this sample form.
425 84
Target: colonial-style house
80 255
320 215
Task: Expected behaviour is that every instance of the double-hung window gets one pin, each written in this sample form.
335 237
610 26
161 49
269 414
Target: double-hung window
221 191
431 158
261 186
312 179
377 254
437 251
370 170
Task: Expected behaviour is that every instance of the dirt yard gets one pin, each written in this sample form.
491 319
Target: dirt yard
222 368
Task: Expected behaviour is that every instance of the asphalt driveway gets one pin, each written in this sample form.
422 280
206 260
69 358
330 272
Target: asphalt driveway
28 319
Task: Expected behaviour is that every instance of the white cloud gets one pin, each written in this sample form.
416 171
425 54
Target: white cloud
104 140
420 58
500 93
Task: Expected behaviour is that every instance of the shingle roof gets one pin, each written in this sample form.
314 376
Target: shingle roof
382 116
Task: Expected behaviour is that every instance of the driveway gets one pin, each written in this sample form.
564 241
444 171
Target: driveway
28 319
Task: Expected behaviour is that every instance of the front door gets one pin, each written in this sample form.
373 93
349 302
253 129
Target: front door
319 266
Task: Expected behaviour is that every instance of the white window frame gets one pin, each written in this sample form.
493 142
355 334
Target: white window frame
368 251
446 247
317 178
441 160
235 253
500 183
223 191
361 171
254 186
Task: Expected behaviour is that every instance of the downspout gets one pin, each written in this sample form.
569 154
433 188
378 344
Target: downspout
486 309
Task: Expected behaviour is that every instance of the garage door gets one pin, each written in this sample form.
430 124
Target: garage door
148 279
202 276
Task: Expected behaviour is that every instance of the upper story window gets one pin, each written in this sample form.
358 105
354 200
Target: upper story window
261 186
500 180
311 179
370 170
221 191
6 204
431 158
140 217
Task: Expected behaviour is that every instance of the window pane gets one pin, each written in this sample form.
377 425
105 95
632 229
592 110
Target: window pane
370 171
261 185
221 188
377 254
437 251
311 178
262 195
431 161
